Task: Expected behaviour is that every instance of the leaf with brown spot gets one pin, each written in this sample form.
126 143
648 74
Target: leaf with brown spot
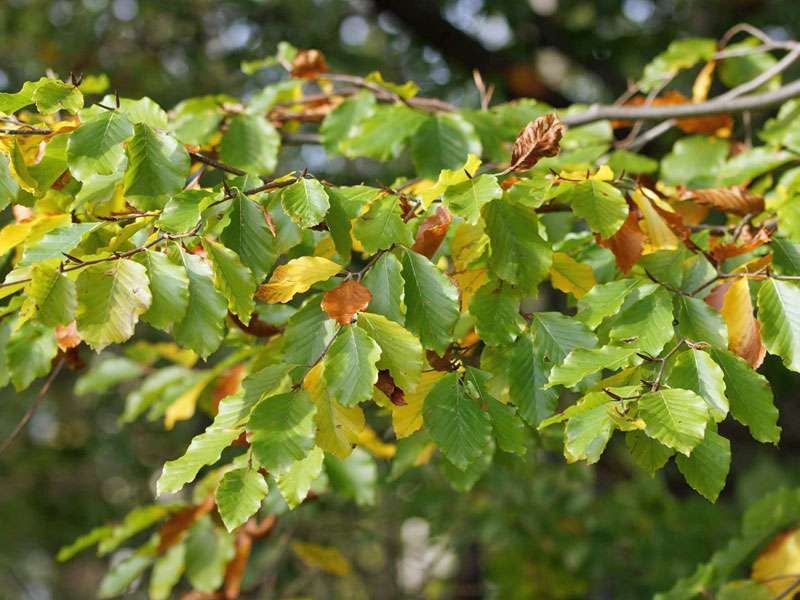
540 138
432 231
627 244
744 332
344 301
734 199
308 64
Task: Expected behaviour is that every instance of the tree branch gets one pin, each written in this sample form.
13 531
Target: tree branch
602 112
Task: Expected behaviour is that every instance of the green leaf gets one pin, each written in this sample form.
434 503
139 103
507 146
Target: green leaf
139 519
102 376
676 418
527 377
29 352
208 550
466 199
232 278
350 366
49 298
582 362
144 110
305 201
694 161
12 102
497 317
383 134
295 483
681 54
95 148
250 143
9 188
56 242
509 430
167 571
587 434
382 225
157 166
247 234
698 322
649 454
751 163
52 95
111 297
695 370
385 281
779 315
281 430
338 426
125 572
204 449
401 352
750 396
785 256
342 121
648 321
182 212
354 477
706 468
443 141
456 422
601 204
518 254
308 333
464 480
169 286
431 301
239 496
339 226
557 335
603 300
203 326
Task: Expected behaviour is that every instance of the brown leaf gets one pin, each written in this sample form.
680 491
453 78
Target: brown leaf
432 231
539 139
386 384
735 199
720 252
226 385
308 64
719 125
234 570
67 336
344 301
172 531
627 244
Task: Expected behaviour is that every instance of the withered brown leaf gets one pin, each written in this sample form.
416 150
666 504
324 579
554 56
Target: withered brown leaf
540 139
309 64
344 301
432 231
387 385
627 244
734 199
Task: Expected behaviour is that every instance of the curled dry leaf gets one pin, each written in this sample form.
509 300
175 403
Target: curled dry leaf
344 301
386 384
432 231
309 64
627 244
735 199
540 139
721 252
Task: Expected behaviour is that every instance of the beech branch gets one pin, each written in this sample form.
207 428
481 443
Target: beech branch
601 112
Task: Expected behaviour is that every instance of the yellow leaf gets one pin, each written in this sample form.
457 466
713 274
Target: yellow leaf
604 173
338 427
184 406
744 332
450 177
467 245
295 277
660 236
12 235
702 82
327 558
325 248
777 566
570 276
370 441
407 419
469 282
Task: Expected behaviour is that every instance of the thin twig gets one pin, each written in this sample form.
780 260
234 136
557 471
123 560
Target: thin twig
34 405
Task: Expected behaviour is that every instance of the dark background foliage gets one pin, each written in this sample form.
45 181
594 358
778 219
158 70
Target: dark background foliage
536 529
